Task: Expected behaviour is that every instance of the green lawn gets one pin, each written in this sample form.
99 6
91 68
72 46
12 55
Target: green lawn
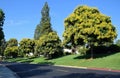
111 61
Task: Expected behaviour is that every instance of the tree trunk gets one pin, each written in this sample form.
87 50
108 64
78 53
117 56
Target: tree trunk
91 47
74 50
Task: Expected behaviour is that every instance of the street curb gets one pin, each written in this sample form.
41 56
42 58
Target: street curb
71 66
99 69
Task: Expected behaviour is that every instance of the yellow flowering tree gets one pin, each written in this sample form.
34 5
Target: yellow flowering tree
86 25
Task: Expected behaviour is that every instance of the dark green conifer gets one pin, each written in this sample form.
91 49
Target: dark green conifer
45 26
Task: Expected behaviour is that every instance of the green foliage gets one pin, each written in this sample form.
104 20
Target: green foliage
11 49
82 50
11 52
1 35
12 42
88 25
45 26
26 46
49 46
2 18
118 42
2 47
37 32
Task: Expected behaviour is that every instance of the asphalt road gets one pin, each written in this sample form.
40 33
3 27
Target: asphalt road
49 71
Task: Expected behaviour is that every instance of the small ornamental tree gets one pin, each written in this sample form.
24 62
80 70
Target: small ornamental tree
49 46
11 52
11 49
86 25
26 46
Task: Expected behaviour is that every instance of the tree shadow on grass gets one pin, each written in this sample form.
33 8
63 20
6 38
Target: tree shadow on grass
82 57
26 61
46 63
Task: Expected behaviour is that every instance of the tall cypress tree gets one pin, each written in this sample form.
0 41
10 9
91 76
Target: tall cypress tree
2 40
45 26
2 16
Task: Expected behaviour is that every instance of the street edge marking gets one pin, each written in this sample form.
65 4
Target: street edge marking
71 66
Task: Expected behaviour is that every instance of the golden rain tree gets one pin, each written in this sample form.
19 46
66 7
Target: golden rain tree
86 25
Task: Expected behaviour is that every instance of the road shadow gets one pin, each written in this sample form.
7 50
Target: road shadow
88 75
29 70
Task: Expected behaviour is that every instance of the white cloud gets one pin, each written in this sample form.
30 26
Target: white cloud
15 22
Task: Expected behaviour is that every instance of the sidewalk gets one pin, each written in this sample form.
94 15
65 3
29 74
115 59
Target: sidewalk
6 73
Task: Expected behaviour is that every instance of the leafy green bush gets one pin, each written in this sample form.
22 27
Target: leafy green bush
11 52
82 50
49 46
26 46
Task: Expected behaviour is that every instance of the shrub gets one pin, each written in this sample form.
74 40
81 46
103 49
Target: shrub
11 52
49 46
82 50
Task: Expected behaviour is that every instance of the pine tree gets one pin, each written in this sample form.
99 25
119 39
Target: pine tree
45 26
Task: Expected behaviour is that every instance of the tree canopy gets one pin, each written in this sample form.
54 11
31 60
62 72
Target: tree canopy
11 52
87 25
11 49
118 42
12 42
45 26
49 45
26 46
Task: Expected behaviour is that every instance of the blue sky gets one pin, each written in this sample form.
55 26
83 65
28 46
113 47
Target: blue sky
22 16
